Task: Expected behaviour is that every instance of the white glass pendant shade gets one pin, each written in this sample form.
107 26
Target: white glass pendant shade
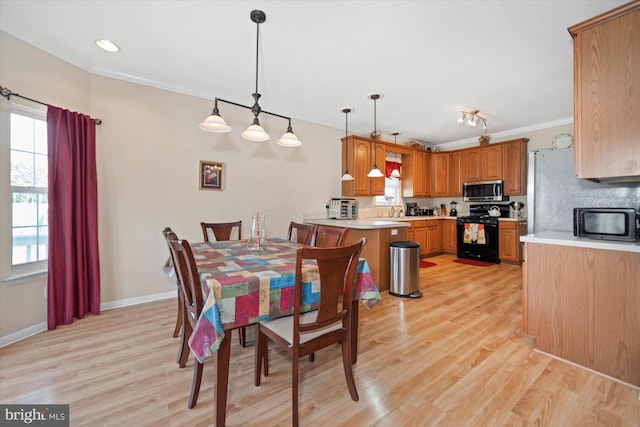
375 173
255 133
347 177
289 139
395 173
215 123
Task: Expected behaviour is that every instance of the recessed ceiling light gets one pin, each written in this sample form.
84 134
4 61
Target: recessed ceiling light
107 45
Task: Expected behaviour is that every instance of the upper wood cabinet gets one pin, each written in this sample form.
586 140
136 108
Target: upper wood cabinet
514 166
455 174
491 162
360 162
471 165
440 174
607 94
416 174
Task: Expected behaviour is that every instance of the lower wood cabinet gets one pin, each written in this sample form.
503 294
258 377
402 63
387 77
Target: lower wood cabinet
433 239
510 248
420 235
448 230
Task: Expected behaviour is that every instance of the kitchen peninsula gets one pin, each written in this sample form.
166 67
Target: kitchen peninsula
581 301
379 234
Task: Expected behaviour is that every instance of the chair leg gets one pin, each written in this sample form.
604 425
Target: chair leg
294 389
257 367
178 327
312 357
348 371
195 384
242 337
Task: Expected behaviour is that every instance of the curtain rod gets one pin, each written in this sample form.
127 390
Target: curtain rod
8 94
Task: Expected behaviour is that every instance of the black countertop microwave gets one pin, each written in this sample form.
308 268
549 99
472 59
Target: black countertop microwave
606 223
485 191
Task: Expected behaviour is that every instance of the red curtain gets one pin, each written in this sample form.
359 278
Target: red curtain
389 166
74 268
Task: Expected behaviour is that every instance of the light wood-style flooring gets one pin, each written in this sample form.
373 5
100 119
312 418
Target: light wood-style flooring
455 357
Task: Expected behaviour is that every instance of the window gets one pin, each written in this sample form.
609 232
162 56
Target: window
29 189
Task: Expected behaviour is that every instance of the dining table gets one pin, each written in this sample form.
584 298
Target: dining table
242 286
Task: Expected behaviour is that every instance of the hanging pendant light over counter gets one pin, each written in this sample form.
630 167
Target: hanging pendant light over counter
255 132
347 176
375 172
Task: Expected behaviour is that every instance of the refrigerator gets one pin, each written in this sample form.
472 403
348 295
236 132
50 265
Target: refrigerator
553 191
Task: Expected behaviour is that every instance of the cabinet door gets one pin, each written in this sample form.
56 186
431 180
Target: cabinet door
607 94
418 177
434 242
514 167
426 174
448 228
359 166
455 175
439 174
377 184
491 162
471 165
420 235
508 241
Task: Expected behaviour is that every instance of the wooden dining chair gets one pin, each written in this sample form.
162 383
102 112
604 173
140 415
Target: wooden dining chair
305 333
221 231
302 233
178 326
330 237
187 273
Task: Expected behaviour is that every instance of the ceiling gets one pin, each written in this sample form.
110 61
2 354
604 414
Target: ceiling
510 59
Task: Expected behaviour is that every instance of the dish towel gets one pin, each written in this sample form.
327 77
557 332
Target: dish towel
474 234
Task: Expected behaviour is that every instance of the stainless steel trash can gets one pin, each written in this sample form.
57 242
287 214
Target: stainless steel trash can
405 269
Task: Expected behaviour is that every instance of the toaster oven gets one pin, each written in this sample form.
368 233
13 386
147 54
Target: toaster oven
342 208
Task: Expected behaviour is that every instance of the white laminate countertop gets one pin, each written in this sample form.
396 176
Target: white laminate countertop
362 224
565 238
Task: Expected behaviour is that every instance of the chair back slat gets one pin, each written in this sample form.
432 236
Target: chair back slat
329 236
187 272
221 231
301 233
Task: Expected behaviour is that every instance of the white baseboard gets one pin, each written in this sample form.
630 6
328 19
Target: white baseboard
41 327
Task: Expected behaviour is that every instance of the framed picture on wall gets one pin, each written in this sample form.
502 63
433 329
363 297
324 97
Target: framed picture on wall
211 175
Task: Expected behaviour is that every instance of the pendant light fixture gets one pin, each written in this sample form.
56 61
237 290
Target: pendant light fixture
395 173
375 172
347 176
255 132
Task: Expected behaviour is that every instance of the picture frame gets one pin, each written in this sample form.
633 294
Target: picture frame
211 175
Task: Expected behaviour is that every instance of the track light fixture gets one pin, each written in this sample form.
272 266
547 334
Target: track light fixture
473 119
375 172
255 132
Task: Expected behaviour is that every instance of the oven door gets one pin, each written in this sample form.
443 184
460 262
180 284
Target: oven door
478 239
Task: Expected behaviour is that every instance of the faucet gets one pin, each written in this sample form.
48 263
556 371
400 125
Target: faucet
392 212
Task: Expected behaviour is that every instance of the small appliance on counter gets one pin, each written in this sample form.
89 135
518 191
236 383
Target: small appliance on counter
414 210
342 208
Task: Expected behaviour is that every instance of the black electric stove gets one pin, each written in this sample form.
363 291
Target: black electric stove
477 234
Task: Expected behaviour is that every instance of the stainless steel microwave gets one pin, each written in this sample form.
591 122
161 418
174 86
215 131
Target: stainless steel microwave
485 191
606 223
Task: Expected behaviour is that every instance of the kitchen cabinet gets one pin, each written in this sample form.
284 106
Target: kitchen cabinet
448 230
606 54
583 305
514 166
455 174
416 176
471 165
420 235
433 239
509 246
360 151
440 174
491 162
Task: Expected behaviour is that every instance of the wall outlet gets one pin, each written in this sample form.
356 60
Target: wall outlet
394 232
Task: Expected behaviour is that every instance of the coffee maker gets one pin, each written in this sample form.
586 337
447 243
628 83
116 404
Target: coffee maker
412 209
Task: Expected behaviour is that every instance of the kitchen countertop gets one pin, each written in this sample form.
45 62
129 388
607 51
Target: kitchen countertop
566 238
361 223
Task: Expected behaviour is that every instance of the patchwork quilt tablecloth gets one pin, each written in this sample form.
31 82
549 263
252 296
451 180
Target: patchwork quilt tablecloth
242 287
